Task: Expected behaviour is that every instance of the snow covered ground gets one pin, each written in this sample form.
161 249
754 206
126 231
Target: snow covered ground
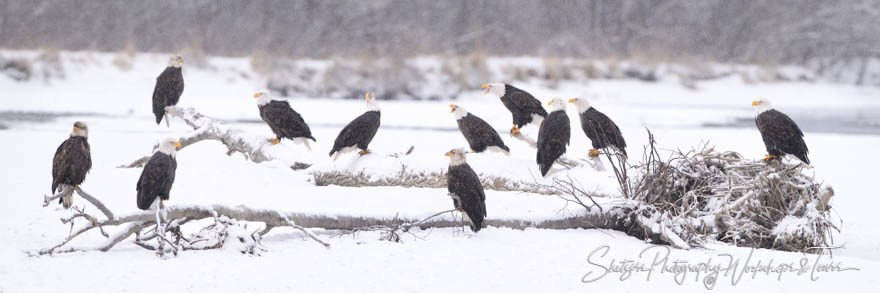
116 104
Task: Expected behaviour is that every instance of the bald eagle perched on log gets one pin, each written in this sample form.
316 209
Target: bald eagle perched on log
466 190
359 132
553 136
479 135
169 86
283 120
524 107
72 161
156 179
599 128
781 135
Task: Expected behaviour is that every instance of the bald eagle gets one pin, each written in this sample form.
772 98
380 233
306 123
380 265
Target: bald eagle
599 128
466 189
522 105
283 120
73 159
169 86
479 135
359 132
158 176
553 136
781 135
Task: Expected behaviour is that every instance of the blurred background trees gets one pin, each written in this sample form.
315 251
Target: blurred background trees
775 32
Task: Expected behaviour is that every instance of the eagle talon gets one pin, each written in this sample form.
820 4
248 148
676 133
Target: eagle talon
365 152
514 131
768 158
594 153
274 141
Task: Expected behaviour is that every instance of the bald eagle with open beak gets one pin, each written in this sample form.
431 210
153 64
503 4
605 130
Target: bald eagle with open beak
524 107
553 136
283 120
466 190
72 161
599 128
359 132
780 134
479 135
154 185
169 87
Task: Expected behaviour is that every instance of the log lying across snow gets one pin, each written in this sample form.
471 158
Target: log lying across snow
683 201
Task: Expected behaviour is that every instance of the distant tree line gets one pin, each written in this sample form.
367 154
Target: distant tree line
756 31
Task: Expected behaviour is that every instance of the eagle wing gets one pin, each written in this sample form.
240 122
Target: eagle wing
479 133
782 135
284 121
553 137
359 131
156 180
71 163
465 185
169 87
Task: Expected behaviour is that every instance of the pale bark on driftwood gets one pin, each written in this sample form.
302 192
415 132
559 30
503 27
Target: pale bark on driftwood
207 128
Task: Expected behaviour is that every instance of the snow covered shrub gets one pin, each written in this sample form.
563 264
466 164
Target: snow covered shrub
16 69
704 194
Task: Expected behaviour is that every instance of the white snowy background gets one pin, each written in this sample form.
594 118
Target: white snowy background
840 122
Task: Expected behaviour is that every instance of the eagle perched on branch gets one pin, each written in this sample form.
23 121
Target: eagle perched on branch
72 161
524 107
479 134
169 87
283 120
781 135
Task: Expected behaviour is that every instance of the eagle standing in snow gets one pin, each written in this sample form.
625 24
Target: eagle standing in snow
283 120
466 190
524 107
359 132
156 179
480 136
553 136
73 159
169 86
599 128
781 135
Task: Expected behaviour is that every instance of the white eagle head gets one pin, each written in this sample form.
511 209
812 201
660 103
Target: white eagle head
371 102
581 103
761 106
169 146
556 104
456 156
458 111
175 61
497 89
80 129
262 98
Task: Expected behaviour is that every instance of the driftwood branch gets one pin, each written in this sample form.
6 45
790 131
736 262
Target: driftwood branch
207 128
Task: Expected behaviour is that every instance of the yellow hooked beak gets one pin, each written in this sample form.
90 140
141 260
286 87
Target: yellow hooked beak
177 144
366 96
755 103
487 87
75 129
572 100
449 154
453 108
257 95
550 103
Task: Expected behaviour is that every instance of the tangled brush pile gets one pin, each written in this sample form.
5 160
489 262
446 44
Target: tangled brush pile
708 195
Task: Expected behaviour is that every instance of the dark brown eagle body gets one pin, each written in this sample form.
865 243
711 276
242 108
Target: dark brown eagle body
156 179
601 130
522 105
284 121
169 87
467 193
553 137
359 132
71 163
781 135
479 134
